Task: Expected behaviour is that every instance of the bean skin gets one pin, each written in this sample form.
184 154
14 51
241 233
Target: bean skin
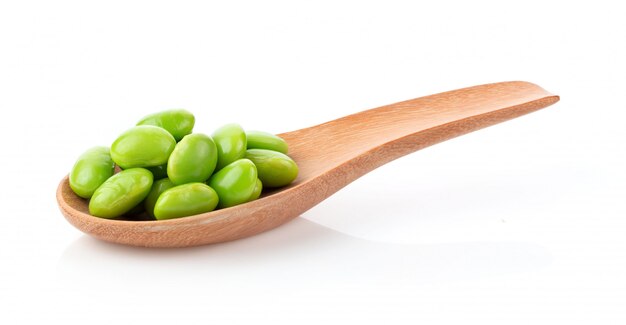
159 172
91 169
120 193
178 122
142 146
157 189
234 183
264 140
230 140
258 188
193 160
274 168
185 200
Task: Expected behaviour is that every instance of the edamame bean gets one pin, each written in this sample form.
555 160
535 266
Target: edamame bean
193 160
275 169
159 172
120 193
157 189
142 146
264 140
171 172
258 188
230 140
234 183
136 211
185 200
91 169
177 122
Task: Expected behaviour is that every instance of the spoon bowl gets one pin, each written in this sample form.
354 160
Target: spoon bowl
329 156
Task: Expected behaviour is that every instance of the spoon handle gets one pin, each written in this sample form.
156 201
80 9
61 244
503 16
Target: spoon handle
371 138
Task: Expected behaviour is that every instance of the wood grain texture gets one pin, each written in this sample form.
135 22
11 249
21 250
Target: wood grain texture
330 156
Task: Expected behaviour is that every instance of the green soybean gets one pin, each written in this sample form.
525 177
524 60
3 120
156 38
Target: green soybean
230 140
136 211
193 160
157 189
275 169
159 172
258 188
234 183
120 193
264 140
177 122
185 200
92 168
142 146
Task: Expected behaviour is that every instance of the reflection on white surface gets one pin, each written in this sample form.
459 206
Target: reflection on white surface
300 253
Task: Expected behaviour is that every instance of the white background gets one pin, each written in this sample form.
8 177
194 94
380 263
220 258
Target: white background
521 222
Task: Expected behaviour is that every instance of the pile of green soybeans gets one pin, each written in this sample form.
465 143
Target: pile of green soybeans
169 172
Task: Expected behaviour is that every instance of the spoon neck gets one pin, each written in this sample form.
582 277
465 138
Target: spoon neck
364 141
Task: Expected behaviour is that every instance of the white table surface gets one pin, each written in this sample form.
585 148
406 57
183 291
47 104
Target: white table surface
518 223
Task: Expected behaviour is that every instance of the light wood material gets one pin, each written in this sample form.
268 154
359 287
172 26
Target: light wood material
330 156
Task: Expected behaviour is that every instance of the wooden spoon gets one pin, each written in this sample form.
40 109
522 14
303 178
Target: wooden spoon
330 156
